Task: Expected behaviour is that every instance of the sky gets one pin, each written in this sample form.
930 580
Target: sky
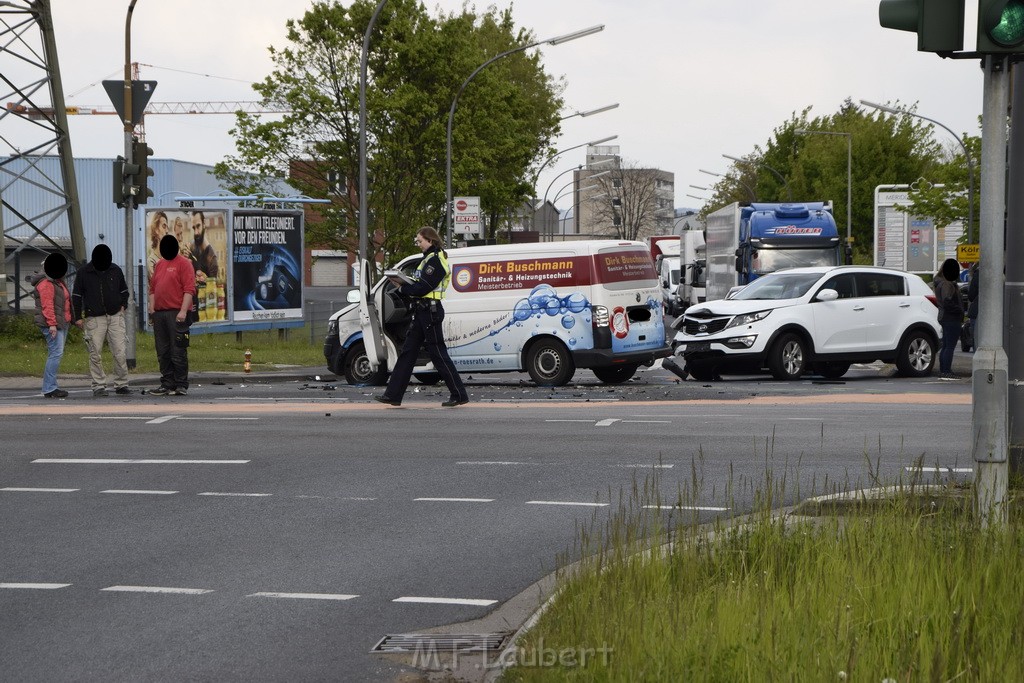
694 79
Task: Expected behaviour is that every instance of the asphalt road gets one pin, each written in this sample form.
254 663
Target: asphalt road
277 531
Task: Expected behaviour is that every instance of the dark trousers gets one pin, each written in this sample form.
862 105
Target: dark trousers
425 331
170 352
950 337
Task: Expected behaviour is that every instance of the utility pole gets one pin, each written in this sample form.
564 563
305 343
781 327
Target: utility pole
1014 287
989 369
129 206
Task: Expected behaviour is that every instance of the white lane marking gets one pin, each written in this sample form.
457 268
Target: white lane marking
334 497
941 470
446 601
654 467
136 461
608 423
161 420
31 490
304 596
140 492
156 589
36 586
455 500
243 495
698 508
565 502
491 462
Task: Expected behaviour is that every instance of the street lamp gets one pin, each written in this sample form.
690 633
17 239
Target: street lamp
757 162
696 197
849 178
557 40
589 177
584 114
582 189
967 155
698 187
748 188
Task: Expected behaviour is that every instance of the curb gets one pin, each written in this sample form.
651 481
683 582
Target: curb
291 374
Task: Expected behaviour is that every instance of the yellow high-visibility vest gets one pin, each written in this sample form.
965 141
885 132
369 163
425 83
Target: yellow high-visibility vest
438 292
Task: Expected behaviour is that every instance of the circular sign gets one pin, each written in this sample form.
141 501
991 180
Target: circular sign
620 323
461 205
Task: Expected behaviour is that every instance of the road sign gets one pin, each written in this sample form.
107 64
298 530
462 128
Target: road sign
467 216
141 92
968 253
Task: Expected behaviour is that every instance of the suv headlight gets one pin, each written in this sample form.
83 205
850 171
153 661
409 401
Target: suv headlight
748 318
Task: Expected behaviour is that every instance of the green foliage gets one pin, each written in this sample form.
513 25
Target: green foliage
416 63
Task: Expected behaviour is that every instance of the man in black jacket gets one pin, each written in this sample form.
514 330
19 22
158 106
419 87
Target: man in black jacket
100 297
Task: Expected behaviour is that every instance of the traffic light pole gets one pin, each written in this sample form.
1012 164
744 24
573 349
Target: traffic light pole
989 433
1014 289
129 207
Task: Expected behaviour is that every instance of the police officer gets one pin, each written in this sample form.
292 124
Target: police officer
426 292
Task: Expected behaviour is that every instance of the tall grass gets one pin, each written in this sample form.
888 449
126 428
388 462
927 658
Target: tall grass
902 589
23 350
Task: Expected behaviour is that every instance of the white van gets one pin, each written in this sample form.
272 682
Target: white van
543 308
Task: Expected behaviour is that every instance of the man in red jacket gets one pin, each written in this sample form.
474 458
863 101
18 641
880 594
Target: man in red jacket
171 291
53 316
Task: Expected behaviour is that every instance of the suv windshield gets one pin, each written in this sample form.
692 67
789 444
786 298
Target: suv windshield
779 286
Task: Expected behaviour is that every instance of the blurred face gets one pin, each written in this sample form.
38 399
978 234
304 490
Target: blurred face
422 242
179 229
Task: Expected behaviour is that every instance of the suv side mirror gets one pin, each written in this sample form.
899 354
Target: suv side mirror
827 295
353 296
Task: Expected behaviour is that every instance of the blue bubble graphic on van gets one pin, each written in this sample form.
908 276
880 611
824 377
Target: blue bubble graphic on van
522 310
497 346
576 302
568 322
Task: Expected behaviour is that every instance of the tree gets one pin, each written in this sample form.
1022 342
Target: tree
626 201
885 150
504 120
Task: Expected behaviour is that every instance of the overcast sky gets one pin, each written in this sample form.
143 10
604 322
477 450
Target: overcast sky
695 79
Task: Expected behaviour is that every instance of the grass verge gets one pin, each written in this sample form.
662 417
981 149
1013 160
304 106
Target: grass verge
901 589
23 350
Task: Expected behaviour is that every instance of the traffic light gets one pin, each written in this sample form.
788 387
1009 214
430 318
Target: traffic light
140 155
1000 26
121 189
939 24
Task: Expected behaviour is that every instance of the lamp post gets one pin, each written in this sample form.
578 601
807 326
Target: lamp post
849 178
130 316
967 156
589 177
750 190
696 197
584 114
756 162
551 158
557 40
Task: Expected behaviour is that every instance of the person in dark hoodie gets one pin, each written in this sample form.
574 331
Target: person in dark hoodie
171 291
100 298
951 314
53 316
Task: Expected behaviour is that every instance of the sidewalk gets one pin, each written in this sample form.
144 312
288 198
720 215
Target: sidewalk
152 379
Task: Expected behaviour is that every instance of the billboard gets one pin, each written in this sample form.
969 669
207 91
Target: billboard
202 238
906 242
266 264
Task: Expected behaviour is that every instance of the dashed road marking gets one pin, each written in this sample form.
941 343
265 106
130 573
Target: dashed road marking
161 420
653 467
304 596
607 423
23 489
133 461
941 470
694 508
446 601
240 495
157 589
491 462
35 586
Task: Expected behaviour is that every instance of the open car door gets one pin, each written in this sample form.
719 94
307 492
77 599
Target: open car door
369 321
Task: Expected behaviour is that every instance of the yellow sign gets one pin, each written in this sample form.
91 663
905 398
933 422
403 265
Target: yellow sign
967 253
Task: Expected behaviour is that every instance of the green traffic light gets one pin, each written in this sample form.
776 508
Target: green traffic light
1009 32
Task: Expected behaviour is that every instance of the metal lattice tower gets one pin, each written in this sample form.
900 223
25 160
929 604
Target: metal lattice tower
30 81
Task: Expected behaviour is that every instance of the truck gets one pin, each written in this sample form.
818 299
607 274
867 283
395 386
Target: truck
745 241
692 287
666 264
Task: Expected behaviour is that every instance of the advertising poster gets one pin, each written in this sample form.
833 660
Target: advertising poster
266 263
203 239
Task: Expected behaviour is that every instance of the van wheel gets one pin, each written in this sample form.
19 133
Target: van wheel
549 363
916 354
616 374
357 368
787 358
430 378
833 369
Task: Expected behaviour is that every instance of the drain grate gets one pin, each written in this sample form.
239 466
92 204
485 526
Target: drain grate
442 642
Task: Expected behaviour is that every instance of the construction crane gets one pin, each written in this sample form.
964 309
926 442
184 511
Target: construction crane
225 107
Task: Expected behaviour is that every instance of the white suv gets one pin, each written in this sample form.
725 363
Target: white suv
813 320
